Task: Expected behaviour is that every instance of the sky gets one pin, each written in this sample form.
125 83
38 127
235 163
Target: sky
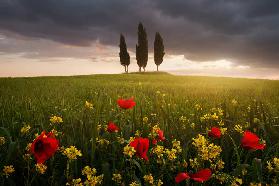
233 38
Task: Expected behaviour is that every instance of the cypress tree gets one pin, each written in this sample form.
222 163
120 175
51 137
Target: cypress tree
142 48
158 49
123 54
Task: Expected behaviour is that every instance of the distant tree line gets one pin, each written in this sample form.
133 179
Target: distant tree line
142 50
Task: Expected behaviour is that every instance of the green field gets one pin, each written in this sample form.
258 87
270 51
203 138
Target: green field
175 103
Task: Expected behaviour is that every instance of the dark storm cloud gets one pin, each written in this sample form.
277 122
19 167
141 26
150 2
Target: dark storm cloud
244 31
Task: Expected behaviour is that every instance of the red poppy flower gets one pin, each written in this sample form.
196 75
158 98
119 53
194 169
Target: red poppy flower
202 175
126 103
251 141
141 146
215 132
112 127
181 177
161 136
44 147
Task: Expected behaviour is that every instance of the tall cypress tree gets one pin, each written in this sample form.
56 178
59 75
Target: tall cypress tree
158 49
142 48
123 54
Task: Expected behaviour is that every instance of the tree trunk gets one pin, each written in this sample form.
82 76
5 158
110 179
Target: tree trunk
127 69
139 69
157 68
144 69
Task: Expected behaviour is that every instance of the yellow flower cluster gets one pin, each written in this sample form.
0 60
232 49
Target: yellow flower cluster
171 154
8 170
234 102
176 145
2 140
206 150
237 182
72 152
91 178
159 151
41 168
25 129
145 119
198 107
194 163
102 141
183 119
273 166
218 165
149 179
238 128
117 178
88 105
75 182
56 120
134 183
129 151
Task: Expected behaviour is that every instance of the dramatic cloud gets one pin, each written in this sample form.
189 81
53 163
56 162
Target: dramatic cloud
245 32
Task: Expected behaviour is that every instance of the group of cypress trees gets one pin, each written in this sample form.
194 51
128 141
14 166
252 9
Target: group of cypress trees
142 50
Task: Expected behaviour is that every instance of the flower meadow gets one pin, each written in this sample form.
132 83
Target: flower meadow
149 136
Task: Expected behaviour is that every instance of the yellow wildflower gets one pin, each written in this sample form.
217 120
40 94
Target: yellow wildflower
75 182
238 128
206 150
88 105
72 152
137 133
145 119
117 178
159 182
129 151
223 130
41 168
176 145
171 154
237 182
2 140
25 129
194 163
234 102
148 179
198 107
183 119
56 120
255 184
8 170
102 141
158 150
89 172
94 180
134 183
120 140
